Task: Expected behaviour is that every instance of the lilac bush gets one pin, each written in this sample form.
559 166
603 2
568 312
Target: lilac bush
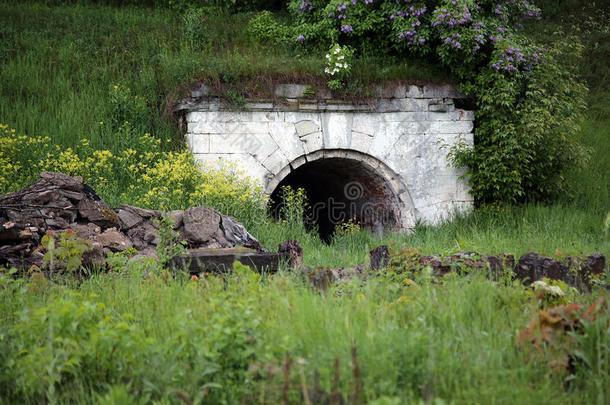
528 101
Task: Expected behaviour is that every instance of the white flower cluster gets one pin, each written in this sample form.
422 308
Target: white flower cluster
553 290
335 61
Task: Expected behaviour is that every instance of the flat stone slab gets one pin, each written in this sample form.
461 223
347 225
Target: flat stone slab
221 260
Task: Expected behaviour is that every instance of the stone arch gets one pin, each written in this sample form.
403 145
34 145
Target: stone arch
344 184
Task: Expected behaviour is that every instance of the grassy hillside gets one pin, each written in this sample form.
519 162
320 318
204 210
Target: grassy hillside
61 65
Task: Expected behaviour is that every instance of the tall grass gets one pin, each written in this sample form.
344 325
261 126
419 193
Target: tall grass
226 341
557 230
59 62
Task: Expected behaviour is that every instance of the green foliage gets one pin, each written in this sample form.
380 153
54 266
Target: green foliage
405 266
84 342
526 139
117 261
225 340
169 245
181 5
129 112
265 29
194 22
69 340
64 254
529 102
294 207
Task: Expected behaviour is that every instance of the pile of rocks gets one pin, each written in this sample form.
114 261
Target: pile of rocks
58 202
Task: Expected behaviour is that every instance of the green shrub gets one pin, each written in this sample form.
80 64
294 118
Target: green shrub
526 139
529 102
129 112
265 29
70 340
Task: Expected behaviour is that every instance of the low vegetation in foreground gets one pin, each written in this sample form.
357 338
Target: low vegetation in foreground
87 89
123 337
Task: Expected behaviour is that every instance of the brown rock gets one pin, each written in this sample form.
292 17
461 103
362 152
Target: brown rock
533 267
94 257
86 231
98 213
128 218
72 195
237 235
143 212
380 257
177 216
58 202
322 278
594 265
28 234
143 236
56 223
45 197
113 240
200 225
72 183
9 234
349 273
293 250
586 269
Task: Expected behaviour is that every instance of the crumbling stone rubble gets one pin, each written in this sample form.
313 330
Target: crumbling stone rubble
58 202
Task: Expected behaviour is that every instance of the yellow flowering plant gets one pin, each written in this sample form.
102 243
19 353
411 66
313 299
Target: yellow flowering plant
140 174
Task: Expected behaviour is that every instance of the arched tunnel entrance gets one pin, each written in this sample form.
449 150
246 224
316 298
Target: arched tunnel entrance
340 190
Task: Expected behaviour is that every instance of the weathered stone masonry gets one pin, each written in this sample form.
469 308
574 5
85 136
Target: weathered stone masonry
398 145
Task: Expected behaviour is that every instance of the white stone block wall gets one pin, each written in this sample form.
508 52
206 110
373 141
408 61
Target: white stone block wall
408 133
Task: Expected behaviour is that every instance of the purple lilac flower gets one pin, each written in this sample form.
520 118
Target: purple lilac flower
300 38
346 28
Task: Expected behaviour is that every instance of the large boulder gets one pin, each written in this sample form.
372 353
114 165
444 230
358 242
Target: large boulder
200 225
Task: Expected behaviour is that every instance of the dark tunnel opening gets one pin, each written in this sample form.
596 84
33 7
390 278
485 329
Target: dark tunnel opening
339 190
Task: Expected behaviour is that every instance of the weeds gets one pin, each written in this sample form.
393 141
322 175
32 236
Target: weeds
218 340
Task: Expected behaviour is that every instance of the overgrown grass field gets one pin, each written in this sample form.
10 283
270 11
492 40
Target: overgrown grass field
87 89
118 339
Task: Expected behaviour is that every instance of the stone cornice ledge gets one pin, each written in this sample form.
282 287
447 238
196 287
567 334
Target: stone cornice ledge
293 97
